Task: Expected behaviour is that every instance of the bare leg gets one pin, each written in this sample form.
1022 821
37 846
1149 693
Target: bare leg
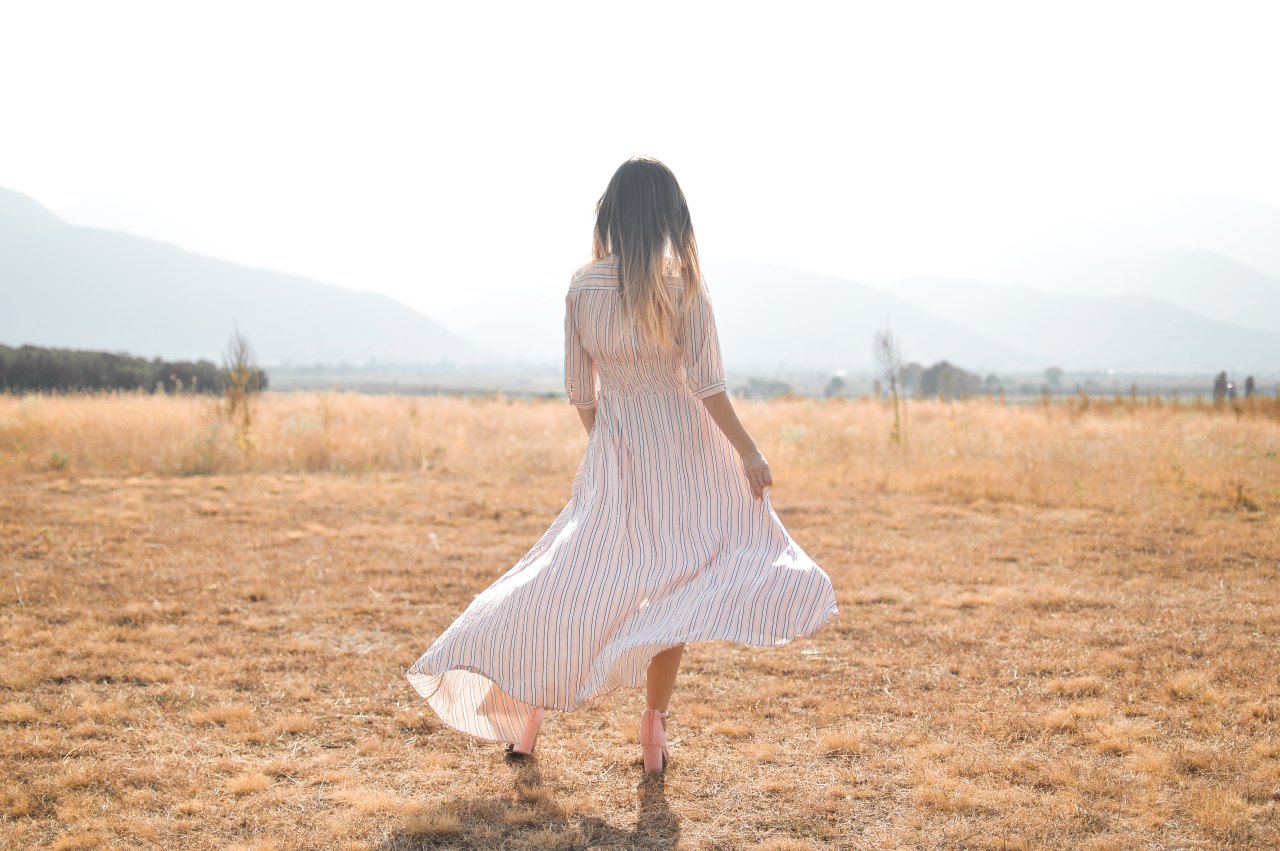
661 679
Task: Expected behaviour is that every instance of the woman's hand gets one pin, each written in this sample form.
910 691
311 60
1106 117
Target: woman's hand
758 474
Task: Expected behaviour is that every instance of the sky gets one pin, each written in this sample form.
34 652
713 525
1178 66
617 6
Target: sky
451 155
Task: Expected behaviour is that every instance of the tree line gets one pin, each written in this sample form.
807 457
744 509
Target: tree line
37 368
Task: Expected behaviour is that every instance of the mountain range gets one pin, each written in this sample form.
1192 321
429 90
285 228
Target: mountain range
1169 302
1093 332
772 318
1167 311
1195 279
86 288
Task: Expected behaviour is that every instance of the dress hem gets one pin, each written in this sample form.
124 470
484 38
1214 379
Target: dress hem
426 692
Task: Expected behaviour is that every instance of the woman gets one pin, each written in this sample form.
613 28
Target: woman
668 536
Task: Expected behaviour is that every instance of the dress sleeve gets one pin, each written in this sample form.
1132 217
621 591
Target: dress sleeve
579 367
704 366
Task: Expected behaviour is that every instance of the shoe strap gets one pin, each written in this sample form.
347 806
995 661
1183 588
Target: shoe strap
654 723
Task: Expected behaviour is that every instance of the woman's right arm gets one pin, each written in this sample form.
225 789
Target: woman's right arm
705 368
754 464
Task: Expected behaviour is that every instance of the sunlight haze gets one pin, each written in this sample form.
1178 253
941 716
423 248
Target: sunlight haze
451 155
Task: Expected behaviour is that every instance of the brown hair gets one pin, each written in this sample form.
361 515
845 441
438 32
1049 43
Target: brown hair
642 216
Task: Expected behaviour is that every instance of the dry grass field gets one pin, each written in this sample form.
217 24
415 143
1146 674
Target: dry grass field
1059 628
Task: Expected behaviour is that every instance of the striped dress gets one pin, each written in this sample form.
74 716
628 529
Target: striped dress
661 542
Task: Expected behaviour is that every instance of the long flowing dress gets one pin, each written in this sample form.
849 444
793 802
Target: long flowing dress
661 543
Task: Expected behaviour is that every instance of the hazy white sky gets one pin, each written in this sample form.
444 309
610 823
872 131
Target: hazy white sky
451 154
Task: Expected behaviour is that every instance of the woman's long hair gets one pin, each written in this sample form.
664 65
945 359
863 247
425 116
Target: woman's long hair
643 219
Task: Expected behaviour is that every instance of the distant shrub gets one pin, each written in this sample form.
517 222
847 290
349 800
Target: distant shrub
36 368
947 381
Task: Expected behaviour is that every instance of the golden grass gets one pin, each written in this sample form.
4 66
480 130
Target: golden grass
1076 686
19 713
842 743
1058 629
436 825
222 715
1111 455
248 784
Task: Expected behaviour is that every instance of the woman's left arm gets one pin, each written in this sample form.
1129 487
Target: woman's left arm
579 366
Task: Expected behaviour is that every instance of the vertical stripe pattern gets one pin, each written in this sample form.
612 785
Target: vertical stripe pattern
660 543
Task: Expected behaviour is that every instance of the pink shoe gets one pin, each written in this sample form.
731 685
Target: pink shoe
653 740
530 737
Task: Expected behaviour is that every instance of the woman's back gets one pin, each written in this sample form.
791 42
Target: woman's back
601 342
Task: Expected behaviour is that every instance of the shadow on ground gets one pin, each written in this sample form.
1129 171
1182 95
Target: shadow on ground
535 820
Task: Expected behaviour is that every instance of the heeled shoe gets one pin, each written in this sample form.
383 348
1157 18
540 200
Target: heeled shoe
653 740
530 737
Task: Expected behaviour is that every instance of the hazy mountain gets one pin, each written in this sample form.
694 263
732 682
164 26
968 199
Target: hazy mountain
774 317
1199 280
17 211
1125 333
528 328
1246 231
62 285
104 215
769 314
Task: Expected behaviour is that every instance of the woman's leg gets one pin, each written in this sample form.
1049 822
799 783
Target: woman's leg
661 680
